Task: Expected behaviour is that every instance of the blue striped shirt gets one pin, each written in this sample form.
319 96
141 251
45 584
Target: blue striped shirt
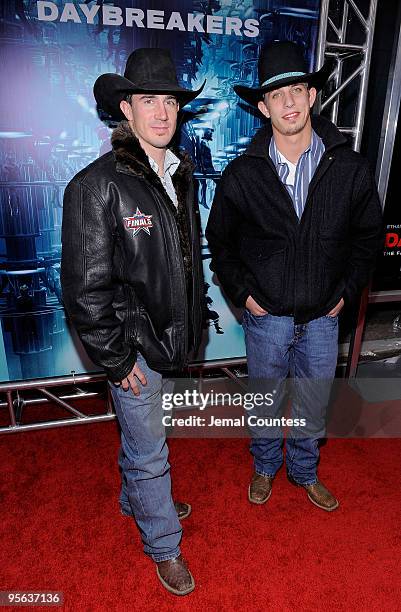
306 167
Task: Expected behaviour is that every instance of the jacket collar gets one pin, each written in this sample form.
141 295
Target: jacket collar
328 132
130 157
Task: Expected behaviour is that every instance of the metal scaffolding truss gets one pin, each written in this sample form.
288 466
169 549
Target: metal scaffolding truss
15 396
16 400
346 38
390 121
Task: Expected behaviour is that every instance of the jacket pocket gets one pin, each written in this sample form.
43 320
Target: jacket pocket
131 320
333 262
334 250
158 346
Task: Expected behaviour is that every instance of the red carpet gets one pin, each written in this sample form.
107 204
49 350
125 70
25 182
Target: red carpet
62 529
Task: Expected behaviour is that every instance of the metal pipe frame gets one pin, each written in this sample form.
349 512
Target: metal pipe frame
42 387
338 77
342 50
390 122
42 400
383 166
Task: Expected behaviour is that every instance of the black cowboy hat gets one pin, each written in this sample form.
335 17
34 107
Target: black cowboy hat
282 63
147 71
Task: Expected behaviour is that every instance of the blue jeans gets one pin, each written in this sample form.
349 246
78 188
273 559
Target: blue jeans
308 353
146 483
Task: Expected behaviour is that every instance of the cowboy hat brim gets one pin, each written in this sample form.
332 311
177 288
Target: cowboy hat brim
314 79
110 89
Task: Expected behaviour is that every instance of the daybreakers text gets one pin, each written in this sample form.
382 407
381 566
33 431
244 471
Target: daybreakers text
151 19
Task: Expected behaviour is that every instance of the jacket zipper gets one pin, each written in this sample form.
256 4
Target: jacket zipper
166 205
177 245
196 286
312 186
318 175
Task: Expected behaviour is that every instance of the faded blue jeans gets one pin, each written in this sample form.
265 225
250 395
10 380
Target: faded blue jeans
308 353
146 483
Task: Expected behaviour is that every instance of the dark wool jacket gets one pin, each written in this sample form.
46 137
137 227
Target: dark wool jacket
290 266
128 259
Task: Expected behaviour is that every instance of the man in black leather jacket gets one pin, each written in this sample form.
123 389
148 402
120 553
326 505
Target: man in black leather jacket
132 282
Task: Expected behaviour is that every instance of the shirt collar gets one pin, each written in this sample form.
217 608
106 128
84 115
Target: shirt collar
281 160
314 148
317 147
171 163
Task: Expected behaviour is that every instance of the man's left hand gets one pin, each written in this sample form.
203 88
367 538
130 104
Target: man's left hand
336 310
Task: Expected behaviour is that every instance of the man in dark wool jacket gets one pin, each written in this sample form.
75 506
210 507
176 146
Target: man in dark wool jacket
294 230
132 282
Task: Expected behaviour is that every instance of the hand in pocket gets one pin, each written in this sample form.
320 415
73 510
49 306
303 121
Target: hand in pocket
254 307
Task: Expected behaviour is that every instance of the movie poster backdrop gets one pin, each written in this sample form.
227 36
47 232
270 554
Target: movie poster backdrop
51 54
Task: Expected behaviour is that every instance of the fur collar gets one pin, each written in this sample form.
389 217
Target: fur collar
130 155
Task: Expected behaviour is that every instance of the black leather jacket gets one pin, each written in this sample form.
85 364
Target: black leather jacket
126 259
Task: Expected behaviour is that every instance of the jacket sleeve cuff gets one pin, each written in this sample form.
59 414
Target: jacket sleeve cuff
118 373
242 298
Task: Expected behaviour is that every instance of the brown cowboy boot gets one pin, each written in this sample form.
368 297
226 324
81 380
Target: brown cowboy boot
260 489
175 576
